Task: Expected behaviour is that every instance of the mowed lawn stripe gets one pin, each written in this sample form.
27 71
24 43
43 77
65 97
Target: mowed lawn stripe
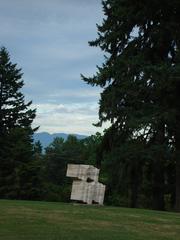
31 220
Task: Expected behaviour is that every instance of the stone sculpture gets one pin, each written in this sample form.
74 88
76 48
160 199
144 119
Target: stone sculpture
85 187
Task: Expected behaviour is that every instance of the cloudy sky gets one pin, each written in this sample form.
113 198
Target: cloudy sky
48 39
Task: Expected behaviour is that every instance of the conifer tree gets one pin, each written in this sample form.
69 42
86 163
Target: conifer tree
140 80
17 168
14 112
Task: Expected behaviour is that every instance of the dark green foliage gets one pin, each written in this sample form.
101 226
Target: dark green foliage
92 151
13 110
19 171
140 81
57 155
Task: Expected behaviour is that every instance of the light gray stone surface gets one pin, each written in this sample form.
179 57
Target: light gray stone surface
86 187
83 172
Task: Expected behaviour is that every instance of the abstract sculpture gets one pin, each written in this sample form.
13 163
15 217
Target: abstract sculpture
85 187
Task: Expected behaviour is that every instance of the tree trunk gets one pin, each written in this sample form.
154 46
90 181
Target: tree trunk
158 170
134 194
158 185
177 144
135 181
178 182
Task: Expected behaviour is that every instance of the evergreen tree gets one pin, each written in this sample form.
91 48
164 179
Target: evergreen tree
14 112
140 81
17 169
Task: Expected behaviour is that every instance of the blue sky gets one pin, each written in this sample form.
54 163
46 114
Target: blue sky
49 41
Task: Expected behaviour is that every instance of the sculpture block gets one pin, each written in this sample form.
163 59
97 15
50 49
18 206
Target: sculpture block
83 172
85 187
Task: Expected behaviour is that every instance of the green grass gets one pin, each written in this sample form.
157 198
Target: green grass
20 220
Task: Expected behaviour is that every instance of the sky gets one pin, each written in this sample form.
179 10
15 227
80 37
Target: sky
48 39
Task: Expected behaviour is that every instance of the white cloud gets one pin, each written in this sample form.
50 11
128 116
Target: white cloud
93 92
69 118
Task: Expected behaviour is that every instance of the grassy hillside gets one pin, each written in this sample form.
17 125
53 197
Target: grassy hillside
57 221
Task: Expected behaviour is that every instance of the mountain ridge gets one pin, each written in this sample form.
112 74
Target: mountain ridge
46 138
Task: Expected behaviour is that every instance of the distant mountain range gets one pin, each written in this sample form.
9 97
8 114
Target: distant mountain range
46 138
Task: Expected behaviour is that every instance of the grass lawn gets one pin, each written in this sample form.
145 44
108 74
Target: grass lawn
27 220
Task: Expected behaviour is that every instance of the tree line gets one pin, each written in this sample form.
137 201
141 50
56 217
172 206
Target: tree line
139 154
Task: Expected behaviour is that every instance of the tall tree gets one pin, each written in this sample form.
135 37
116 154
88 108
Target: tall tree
17 168
141 67
14 112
